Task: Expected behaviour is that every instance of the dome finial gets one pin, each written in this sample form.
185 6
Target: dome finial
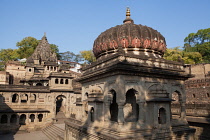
128 18
128 13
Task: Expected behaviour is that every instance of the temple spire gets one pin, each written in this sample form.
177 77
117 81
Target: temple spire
128 18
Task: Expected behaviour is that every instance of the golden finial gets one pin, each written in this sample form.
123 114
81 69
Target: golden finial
128 14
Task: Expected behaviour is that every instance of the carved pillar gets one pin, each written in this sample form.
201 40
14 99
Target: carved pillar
120 113
141 113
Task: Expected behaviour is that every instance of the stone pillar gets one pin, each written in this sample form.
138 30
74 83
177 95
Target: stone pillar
18 120
36 100
8 119
36 118
27 119
141 113
19 99
107 112
28 101
120 113
183 111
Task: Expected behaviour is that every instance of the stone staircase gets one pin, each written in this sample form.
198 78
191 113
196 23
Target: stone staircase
60 118
54 131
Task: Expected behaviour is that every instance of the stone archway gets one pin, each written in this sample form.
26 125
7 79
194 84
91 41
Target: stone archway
113 107
176 105
131 108
60 103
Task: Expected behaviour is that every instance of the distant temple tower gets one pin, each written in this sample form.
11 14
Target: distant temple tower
127 92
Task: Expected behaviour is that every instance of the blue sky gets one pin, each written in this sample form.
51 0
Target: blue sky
73 25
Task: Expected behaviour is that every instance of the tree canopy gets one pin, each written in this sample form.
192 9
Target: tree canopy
70 56
88 56
176 54
199 42
27 46
8 54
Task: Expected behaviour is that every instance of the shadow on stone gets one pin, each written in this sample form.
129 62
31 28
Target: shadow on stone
10 121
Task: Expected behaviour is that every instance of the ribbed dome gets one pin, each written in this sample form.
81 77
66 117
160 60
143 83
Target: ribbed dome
129 35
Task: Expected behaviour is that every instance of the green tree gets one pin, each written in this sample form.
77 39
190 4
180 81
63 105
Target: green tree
88 56
176 54
70 56
8 54
55 49
199 42
26 47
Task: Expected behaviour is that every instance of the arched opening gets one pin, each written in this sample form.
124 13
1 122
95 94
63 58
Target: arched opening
40 117
13 118
131 109
39 84
60 103
24 98
66 81
15 98
114 107
56 81
61 82
32 117
33 98
176 106
4 119
22 119
162 116
92 114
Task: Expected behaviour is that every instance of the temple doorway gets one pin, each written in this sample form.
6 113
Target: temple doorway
60 103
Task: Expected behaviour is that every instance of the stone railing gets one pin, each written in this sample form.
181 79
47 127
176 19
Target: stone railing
23 87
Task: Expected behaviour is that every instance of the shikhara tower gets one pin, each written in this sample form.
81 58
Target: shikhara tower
127 92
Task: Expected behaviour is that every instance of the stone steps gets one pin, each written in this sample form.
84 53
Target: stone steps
54 132
60 118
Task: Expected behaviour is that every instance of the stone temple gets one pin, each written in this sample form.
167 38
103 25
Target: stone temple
36 94
130 92
127 93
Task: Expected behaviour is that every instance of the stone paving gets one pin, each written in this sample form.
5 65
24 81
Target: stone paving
36 135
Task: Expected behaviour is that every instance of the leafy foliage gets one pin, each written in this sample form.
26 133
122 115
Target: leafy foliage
55 49
88 56
199 42
26 47
70 56
8 54
176 54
